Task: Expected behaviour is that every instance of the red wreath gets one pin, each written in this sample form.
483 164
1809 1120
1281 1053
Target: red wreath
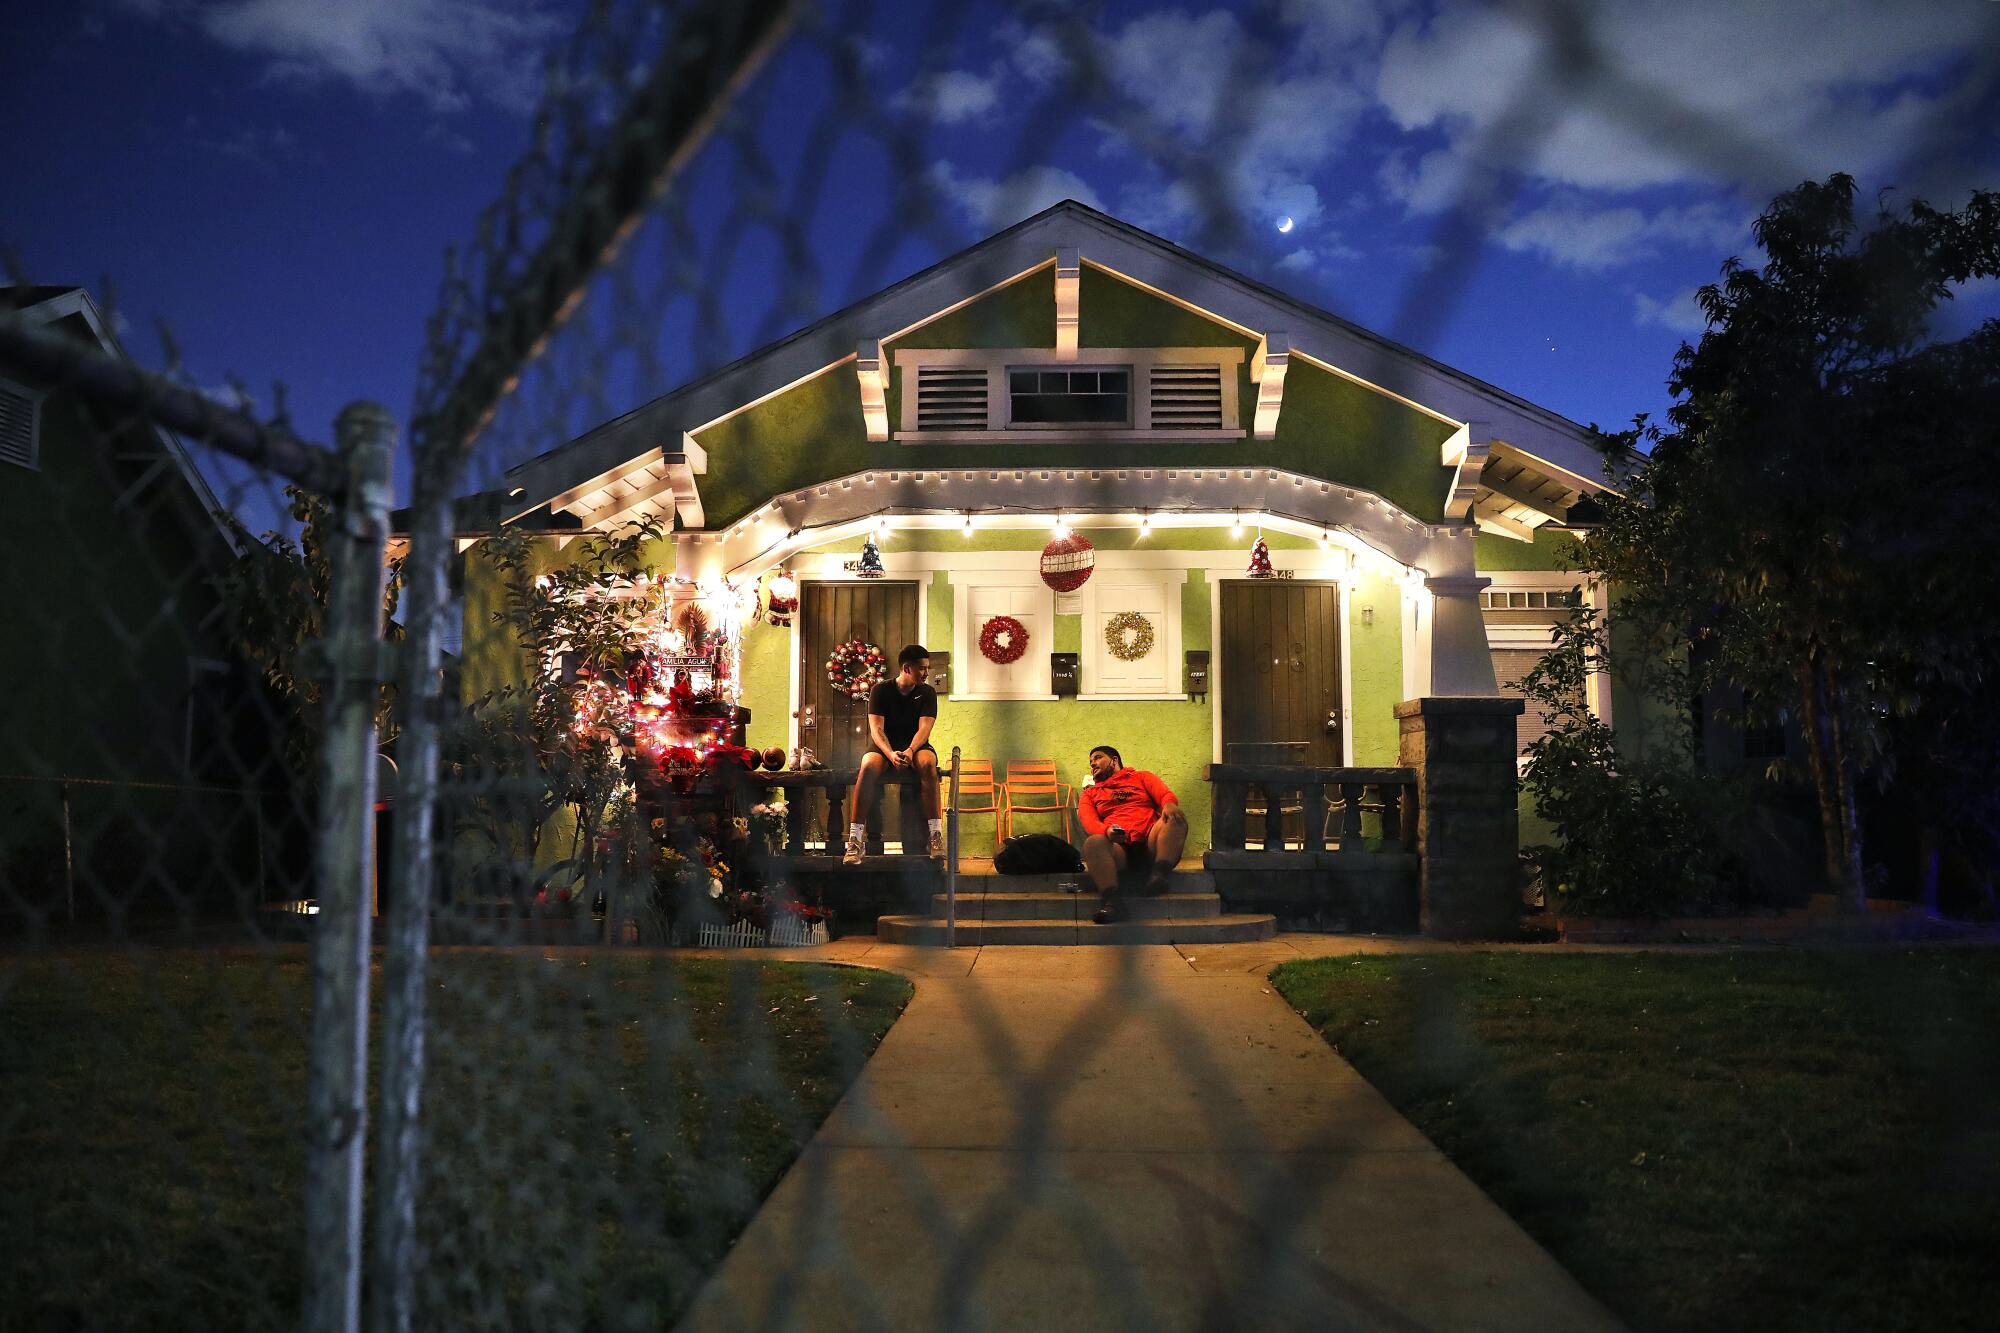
989 640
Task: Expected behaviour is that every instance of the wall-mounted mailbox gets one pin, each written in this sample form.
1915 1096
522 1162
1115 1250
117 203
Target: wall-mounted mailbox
940 676
1065 676
1197 673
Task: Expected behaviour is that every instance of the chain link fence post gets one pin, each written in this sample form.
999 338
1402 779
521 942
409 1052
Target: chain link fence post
420 703
336 1115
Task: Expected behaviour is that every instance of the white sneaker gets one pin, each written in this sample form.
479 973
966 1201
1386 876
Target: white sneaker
937 844
856 849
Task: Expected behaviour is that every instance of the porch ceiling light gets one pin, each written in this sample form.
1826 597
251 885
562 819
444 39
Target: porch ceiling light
1062 528
966 528
1236 523
1145 524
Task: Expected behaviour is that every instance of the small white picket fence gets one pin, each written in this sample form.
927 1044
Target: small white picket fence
783 935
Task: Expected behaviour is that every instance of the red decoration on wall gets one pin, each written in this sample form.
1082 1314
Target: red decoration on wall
1260 561
1003 639
1067 562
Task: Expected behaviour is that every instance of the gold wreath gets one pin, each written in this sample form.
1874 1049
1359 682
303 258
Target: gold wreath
1128 622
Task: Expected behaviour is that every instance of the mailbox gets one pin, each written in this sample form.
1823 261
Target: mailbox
1064 675
1197 673
940 676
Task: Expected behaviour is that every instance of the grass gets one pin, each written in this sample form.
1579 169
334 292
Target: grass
1752 1140
601 1127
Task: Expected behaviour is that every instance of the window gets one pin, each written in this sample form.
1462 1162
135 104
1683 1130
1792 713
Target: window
1520 611
20 413
1049 397
1154 595
984 595
1532 599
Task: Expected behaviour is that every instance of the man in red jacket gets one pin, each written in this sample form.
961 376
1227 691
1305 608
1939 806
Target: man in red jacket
1134 823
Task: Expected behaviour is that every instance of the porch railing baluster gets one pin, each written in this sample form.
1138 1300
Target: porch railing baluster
1350 816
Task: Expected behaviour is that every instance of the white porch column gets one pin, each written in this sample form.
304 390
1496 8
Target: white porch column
1460 661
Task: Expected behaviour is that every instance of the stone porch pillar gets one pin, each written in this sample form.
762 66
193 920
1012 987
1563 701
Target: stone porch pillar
1468 824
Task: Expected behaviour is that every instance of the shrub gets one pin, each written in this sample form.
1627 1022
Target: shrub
1634 836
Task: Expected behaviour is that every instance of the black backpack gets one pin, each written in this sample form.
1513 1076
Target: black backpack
1036 854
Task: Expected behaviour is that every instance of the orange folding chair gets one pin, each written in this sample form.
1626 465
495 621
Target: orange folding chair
1032 788
979 794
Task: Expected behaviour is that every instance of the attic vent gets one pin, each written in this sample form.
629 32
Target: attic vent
1186 397
951 398
17 425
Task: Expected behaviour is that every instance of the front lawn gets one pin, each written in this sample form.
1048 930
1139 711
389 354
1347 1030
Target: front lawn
602 1127
1752 1140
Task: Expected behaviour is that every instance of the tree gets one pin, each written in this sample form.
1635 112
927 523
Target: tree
274 600
1808 526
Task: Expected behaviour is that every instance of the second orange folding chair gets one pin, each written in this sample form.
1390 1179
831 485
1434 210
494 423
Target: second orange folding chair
1032 788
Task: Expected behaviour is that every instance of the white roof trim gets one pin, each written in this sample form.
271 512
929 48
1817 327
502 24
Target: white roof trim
1127 253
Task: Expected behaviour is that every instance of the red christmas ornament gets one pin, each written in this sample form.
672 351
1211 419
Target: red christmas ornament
1003 639
774 758
1067 562
1260 561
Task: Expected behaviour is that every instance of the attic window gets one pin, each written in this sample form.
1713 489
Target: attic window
20 423
1045 396
980 395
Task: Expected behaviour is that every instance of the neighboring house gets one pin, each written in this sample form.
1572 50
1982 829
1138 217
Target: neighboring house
122 703
1075 370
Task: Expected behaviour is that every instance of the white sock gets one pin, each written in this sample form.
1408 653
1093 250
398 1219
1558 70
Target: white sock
857 832
937 826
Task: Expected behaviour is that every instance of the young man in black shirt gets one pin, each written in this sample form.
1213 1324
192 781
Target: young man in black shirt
901 712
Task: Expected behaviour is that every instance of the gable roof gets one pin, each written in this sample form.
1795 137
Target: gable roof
72 309
1549 460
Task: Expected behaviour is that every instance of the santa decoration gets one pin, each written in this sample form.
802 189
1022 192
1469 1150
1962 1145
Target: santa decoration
1067 562
783 598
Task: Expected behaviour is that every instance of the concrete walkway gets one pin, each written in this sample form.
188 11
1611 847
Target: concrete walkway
1141 1137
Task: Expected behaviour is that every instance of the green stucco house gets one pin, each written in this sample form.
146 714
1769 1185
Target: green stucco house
133 774
1077 375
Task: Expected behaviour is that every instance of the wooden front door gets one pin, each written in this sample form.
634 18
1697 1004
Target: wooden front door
877 612
1280 672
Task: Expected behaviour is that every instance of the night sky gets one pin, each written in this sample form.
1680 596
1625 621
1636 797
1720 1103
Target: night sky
278 180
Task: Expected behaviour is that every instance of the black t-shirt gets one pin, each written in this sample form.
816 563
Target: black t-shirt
899 711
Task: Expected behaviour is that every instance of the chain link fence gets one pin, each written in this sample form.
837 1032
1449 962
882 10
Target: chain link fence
263 1050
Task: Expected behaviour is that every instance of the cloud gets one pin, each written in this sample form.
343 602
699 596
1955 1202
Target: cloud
449 53
993 204
1679 313
1204 117
954 97
1592 239
1203 91
1746 97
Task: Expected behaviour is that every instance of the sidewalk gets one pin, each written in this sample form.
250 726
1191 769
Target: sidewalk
1136 1137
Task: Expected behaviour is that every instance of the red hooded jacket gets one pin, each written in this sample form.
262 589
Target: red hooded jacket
1129 799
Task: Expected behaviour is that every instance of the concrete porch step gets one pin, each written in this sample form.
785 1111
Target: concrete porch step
1076 906
1167 930
983 881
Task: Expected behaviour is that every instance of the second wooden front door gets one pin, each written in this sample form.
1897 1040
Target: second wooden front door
1280 651
881 613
